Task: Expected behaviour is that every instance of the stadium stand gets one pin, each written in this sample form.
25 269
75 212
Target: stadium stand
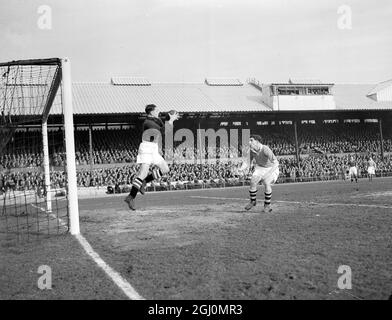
322 146
311 168
118 148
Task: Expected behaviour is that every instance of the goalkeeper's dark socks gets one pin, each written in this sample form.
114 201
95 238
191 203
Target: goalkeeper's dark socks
252 195
136 185
267 198
149 178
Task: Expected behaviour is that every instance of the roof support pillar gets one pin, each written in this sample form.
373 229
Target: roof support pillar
296 142
90 143
381 139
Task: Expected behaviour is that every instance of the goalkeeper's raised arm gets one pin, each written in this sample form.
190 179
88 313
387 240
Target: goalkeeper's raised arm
172 116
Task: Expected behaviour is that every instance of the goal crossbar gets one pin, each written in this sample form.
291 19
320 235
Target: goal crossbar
32 62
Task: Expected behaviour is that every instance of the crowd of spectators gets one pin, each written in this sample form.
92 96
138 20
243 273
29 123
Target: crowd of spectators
120 145
115 152
187 175
109 146
329 166
343 138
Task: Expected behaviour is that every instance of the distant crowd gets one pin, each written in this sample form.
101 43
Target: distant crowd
323 150
120 145
182 175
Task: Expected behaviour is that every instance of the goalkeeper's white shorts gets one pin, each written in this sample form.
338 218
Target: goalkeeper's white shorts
353 171
264 175
148 153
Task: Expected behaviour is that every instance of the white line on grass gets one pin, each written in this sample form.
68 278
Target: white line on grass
303 202
123 284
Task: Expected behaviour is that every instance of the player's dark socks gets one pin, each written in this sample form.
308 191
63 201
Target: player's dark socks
136 185
133 192
156 174
149 178
252 195
267 198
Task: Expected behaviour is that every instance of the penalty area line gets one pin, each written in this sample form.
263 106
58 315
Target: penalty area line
303 202
120 282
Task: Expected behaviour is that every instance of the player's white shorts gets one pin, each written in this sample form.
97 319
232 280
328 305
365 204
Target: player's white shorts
262 174
148 153
371 170
353 171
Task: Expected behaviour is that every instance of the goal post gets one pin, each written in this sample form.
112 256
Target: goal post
38 183
70 147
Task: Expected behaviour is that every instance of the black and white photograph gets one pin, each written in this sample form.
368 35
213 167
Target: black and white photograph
213 151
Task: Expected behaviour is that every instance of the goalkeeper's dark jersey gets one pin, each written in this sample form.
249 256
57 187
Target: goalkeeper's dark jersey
155 126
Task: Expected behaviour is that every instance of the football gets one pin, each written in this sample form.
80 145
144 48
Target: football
172 112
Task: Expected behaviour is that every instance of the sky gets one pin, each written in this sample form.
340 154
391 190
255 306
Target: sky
190 40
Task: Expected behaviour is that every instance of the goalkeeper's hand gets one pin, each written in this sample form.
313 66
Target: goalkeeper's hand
173 116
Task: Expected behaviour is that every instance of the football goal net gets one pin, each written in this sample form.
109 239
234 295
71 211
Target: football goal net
38 191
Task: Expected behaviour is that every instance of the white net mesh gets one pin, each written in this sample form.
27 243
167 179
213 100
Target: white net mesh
29 92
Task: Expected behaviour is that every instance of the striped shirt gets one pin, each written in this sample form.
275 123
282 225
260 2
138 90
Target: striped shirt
264 158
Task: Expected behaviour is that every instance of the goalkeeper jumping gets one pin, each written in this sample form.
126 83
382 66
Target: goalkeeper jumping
266 170
148 154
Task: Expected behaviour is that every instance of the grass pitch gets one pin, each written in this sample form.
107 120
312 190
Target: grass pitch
202 244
